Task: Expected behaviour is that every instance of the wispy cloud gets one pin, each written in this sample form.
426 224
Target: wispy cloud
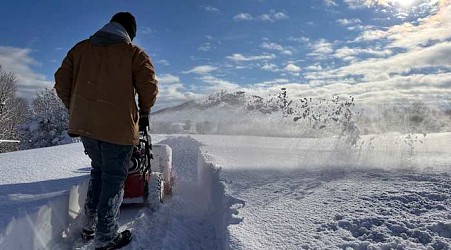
357 4
269 67
163 62
371 35
276 47
217 84
241 58
209 8
348 22
352 54
243 17
202 70
272 16
321 49
206 46
145 30
314 67
168 79
301 39
330 3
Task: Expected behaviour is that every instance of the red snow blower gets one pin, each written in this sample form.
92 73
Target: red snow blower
150 176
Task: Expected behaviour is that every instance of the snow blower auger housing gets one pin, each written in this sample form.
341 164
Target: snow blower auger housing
150 177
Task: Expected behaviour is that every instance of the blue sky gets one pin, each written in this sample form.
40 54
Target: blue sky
380 51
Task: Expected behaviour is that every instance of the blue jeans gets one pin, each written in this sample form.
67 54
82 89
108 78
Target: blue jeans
106 187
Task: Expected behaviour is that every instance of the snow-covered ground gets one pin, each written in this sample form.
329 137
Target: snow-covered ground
243 192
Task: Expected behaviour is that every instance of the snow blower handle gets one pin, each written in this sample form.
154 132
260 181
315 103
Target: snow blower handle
143 121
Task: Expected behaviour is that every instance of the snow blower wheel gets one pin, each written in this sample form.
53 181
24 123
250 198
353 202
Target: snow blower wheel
150 176
155 191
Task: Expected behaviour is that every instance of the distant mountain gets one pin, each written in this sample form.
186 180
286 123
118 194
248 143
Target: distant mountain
177 108
225 101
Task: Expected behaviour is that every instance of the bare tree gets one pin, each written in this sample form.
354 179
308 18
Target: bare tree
13 110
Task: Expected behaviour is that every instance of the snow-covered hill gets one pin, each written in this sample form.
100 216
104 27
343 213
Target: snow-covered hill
244 192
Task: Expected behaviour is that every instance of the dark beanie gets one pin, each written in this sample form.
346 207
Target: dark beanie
127 21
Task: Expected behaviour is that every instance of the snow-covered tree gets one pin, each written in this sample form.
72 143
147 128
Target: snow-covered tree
13 111
47 126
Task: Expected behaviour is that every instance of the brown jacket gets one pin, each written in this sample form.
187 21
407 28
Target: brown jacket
98 85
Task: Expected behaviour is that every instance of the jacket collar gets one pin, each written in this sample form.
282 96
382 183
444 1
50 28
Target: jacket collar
111 33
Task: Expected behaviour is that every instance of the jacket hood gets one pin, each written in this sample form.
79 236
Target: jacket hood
111 33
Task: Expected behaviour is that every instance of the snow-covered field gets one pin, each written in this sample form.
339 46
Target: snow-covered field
243 192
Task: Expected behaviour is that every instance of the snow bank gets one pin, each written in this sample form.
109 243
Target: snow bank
41 230
34 189
194 218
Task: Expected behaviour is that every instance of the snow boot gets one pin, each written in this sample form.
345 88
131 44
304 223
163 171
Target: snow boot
88 234
89 228
120 241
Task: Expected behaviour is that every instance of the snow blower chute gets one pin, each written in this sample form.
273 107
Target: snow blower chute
150 177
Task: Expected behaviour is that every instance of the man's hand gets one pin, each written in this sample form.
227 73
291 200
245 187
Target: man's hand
143 120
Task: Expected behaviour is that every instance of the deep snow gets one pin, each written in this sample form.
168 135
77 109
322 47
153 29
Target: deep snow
245 192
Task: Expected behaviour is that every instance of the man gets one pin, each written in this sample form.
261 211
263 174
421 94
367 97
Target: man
97 82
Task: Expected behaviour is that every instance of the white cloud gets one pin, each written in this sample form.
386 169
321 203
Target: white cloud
145 30
357 4
172 92
168 79
206 46
217 84
269 84
19 62
321 49
378 71
371 35
347 22
330 3
241 58
243 17
350 54
426 32
163 62
272 16
277 47
271 46
314 67
373 69
202 70
292 68
269 67
210 9
431 89
301 39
